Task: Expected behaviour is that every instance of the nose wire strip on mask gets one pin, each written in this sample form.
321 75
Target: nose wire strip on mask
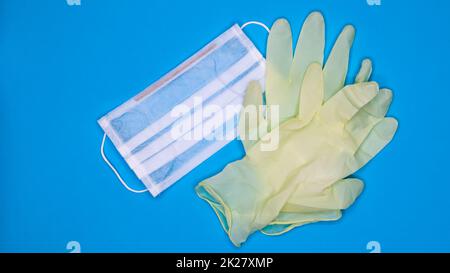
104 135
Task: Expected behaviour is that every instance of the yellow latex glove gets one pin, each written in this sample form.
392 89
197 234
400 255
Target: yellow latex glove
327 205
317 148
285 71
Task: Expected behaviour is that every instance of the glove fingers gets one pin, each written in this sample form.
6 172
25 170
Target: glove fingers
278 61
377 139
300 220
342 194
365 71
363 122
301 210
347 102
253 94
251 115
336 66
339 195
379 106
311 95
309 49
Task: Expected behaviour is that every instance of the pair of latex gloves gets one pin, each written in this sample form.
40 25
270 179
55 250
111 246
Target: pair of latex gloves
326 131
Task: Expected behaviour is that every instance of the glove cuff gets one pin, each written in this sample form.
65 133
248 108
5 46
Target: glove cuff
219 206
237 224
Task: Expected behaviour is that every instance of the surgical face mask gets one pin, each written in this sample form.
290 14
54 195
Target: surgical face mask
157 131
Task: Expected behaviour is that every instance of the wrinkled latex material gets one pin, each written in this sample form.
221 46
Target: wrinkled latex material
326 131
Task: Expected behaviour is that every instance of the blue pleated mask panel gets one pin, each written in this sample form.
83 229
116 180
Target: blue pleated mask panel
189 114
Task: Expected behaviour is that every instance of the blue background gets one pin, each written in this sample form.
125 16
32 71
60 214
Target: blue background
62 67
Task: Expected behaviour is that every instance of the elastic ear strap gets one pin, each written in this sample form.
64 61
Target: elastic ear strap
114 169
255 23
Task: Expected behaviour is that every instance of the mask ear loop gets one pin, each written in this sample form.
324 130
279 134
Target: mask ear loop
114 169
255 23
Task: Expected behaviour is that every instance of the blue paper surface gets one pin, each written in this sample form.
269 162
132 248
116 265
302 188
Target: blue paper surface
64 66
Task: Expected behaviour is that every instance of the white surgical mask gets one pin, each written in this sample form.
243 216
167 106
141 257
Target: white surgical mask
146 128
